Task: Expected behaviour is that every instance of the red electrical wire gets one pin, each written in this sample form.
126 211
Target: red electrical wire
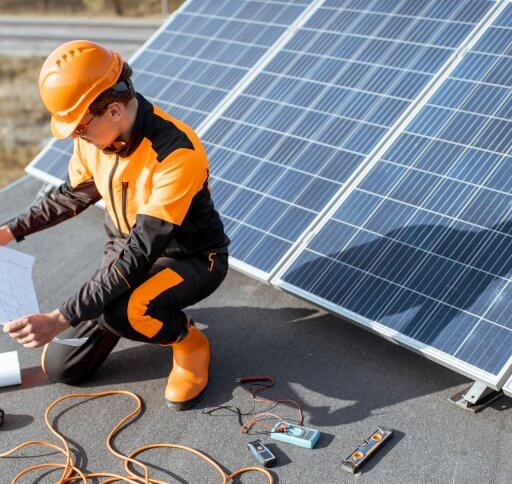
260 383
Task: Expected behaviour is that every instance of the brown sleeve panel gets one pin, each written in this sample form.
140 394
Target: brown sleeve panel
59 204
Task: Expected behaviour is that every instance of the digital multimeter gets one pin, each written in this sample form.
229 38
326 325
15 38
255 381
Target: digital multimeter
261 453
295 434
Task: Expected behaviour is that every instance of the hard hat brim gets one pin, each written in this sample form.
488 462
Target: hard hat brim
64 129
61 130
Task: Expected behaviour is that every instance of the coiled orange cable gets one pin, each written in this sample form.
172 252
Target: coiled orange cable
71 473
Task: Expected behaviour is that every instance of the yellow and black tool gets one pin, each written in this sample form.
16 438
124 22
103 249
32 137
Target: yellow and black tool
361 454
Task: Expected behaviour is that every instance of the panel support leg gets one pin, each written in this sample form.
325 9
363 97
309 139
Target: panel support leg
476 397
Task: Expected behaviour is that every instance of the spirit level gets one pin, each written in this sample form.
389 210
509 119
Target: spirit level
357 458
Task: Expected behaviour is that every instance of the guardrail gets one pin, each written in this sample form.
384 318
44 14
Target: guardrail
39 35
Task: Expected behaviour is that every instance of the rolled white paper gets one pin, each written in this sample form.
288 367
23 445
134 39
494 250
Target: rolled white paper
10 373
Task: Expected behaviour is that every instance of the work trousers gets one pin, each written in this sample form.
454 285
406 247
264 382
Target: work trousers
152 312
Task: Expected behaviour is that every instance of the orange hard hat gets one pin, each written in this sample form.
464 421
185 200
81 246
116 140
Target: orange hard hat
72 77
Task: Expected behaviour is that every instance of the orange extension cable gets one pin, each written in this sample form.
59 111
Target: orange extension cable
71 473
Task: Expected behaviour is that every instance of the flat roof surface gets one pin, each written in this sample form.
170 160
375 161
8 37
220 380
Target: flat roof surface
348 380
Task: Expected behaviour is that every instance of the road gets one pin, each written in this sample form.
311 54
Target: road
40 35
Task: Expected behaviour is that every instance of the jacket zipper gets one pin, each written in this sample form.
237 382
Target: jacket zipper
125 191
111 190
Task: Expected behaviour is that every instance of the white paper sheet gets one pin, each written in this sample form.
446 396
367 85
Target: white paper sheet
70 341
17 292
10 373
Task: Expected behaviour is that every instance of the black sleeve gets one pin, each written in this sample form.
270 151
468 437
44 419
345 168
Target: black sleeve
59 204
148 239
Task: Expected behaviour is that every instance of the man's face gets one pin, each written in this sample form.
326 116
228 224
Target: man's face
101 130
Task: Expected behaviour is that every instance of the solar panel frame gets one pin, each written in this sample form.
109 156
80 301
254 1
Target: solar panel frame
471 371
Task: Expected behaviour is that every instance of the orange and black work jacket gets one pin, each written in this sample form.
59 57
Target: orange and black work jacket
157 198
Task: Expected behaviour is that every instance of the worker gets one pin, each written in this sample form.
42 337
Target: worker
166 248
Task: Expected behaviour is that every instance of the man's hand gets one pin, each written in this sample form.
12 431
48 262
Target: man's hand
35 330
6 236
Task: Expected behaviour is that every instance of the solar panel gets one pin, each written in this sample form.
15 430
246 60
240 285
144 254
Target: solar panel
420 250
194 62
290 142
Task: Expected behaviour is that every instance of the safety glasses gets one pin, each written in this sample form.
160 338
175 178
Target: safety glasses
122 86
79 130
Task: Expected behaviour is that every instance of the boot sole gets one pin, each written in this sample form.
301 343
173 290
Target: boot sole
180 406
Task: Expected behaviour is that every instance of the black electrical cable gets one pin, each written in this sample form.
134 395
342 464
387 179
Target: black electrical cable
257 383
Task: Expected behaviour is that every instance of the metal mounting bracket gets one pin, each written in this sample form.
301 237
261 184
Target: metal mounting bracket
475 397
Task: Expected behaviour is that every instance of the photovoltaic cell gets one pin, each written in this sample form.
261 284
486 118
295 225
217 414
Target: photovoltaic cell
290 141
197 59
422 247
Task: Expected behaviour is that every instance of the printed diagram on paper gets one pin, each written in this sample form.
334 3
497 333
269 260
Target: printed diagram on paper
17 292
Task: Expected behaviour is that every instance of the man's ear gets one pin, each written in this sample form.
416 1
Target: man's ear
115 110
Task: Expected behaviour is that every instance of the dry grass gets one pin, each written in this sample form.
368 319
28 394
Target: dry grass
25 124
25 127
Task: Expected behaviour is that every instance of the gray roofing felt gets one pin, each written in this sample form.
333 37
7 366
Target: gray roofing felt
348 380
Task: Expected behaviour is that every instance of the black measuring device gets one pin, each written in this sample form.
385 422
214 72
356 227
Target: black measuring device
261 453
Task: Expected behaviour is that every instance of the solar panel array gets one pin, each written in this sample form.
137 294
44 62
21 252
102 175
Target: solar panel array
294 100
423 244
291 140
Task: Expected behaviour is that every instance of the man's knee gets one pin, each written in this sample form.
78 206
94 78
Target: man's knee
58 368
114 321
156 325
